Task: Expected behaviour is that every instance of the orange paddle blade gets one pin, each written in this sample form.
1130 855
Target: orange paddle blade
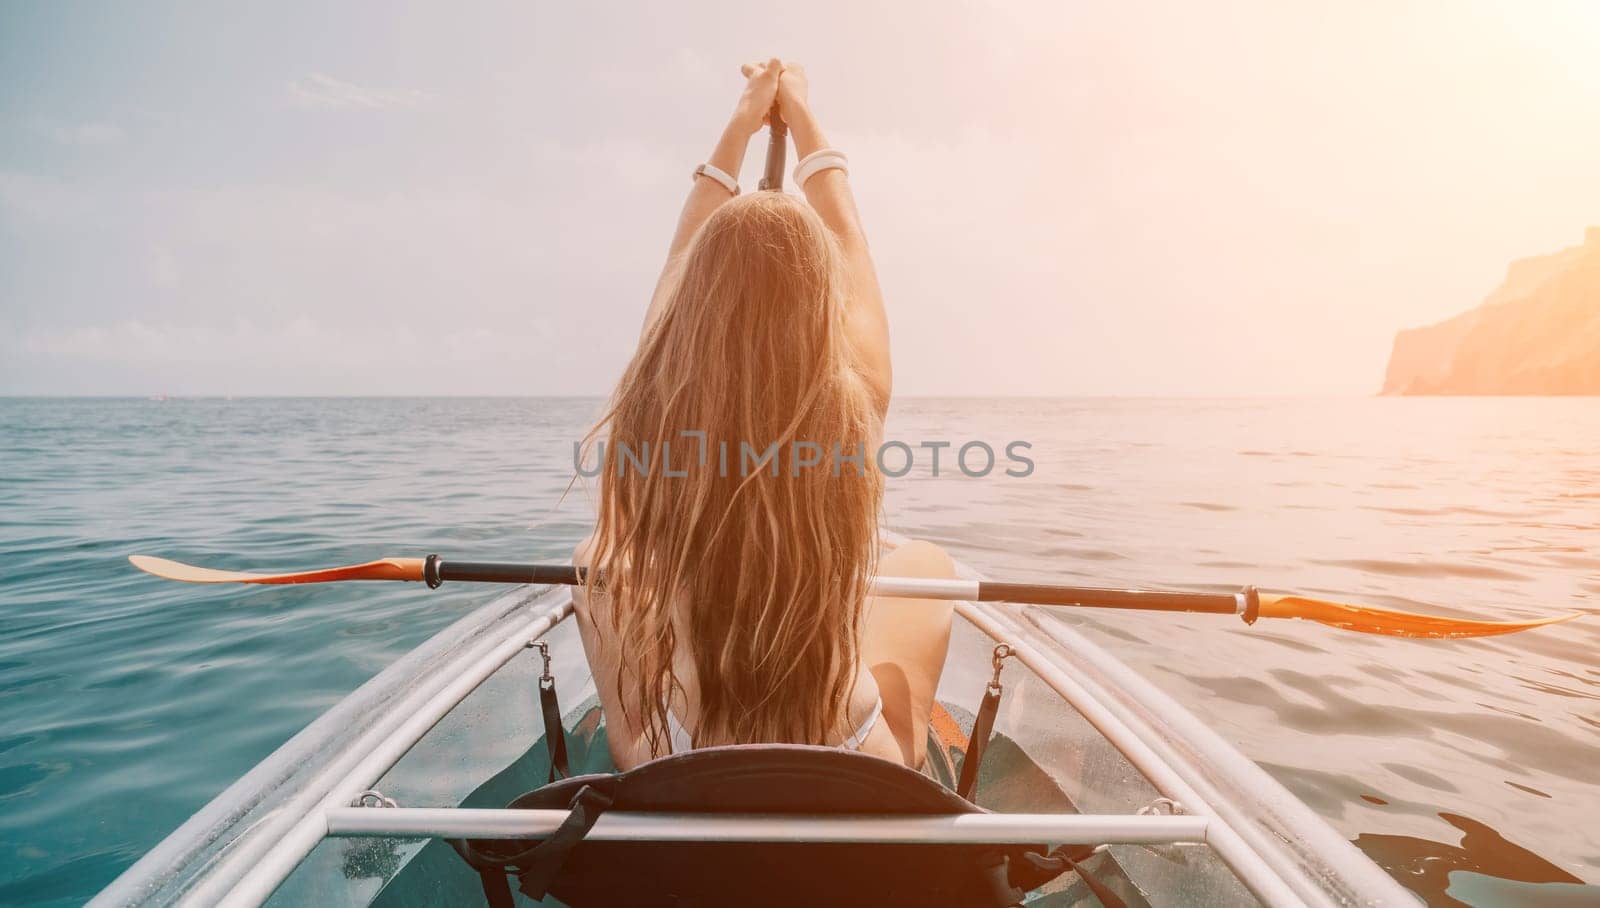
383 569
1370 620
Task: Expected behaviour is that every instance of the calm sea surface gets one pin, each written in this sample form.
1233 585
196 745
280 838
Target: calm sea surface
1469 769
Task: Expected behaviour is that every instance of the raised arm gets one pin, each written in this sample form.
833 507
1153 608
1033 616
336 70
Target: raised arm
749 115
829 193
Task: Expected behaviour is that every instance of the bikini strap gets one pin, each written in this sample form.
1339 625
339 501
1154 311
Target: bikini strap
854 741
678 738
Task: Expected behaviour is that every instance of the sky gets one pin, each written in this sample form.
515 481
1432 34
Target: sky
1063 198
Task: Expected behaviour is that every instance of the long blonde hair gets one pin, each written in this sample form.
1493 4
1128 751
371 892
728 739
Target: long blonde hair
750 349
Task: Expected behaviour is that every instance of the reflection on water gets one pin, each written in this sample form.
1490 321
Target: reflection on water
1454 874
127 702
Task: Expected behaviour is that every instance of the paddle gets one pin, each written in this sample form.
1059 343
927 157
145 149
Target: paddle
1248 603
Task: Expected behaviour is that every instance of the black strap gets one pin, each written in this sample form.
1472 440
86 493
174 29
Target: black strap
555 735
491 873
496 888
540 864
977 742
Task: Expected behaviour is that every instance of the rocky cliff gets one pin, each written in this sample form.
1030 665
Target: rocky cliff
1538 333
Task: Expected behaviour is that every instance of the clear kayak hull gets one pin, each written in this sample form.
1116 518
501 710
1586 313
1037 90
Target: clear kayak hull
456 723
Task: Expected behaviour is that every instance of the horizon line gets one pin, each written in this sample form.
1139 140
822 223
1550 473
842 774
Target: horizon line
162 398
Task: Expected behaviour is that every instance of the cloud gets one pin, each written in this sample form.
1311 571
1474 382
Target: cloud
281 287
299 340
323 92
161 268
88 134
294 354
43 199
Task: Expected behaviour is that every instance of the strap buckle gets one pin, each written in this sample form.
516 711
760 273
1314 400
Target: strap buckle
546 680
1002 652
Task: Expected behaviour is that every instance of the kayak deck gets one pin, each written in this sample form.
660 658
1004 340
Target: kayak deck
1085 749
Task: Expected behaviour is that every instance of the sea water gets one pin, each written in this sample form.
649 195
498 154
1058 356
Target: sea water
1467 768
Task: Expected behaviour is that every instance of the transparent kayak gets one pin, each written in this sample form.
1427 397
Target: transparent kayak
353 809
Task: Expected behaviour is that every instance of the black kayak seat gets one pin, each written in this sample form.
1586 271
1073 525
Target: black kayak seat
755 779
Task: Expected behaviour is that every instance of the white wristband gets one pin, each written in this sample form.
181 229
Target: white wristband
818 161
718 174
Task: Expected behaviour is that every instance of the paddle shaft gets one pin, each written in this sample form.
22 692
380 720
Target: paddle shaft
772 177
1244 603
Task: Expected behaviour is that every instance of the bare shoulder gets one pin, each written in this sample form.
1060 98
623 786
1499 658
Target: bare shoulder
600 648
581 601
918 558
593 615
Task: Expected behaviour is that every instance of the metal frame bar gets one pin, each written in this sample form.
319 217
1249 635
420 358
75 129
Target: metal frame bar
1276 824
264 867
971 828
1244 861
249 815
1256 855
